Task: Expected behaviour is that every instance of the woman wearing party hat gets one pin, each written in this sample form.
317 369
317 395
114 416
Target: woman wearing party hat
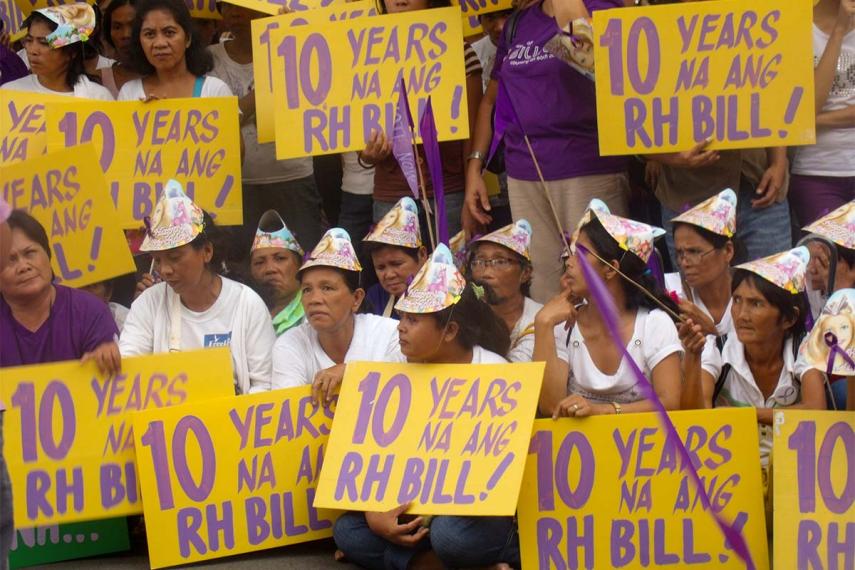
396 250
704 250
54 45
501 263
274 259
597 380
195 307
332 334
442 322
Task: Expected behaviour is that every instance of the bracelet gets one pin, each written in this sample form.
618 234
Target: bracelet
363 164
617 408
476 155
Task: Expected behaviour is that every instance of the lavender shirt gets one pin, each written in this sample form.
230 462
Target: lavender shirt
78 323
555 103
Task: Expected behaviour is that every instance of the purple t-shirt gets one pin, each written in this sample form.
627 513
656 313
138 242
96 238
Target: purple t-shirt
79 322
555 103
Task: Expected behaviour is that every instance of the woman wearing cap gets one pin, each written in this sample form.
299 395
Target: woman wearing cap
118 25
274 260
396 250
332 334
500 262
442 322
194 307
171 58
55 56
597 379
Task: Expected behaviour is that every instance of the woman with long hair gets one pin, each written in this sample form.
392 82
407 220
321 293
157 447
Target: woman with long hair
118 32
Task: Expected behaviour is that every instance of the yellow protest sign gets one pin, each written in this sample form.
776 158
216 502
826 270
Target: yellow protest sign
66 192
231 476
10 16
273 7
471 9
22 124
672 76
336 82
451 439
813 464
140 146
644 509
263 54
204 9
68 429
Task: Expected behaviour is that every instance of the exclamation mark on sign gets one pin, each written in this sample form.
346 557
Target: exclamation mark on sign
455 105
497 474
224 191
95 250
792 107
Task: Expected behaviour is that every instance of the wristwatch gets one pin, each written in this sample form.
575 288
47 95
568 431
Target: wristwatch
476 155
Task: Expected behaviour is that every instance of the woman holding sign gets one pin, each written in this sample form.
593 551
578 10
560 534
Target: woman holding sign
194 307
171 58
597 379
443 321
333 334
55 58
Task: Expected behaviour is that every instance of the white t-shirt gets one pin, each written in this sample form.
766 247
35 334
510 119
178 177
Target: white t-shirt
84 89
654 338
481 355
260 165
834 151
298 355
740 389
120 314
354 178
486 51
103 62
238 319
212 87
522 337
724 327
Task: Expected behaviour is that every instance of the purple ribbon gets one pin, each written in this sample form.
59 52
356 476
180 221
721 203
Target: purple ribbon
834 350
427 128
603 299
402 140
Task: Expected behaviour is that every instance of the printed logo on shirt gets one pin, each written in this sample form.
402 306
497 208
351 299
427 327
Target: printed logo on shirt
523 54
216 340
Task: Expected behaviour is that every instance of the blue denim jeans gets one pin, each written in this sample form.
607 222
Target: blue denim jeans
453 208
762 231
459 542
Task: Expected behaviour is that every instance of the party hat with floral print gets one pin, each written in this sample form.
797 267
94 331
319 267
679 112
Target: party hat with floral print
272 232
516 237
634 237
785 270
400 226
176 220
75 23
838 226
437 286
334 250
716 214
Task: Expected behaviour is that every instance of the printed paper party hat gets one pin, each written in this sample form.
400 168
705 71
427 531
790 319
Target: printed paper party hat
716 214
516 237
838 226
436 286
75 23
400 226
835 326
459 249
334 250
176 220
634 237
785 269
272 232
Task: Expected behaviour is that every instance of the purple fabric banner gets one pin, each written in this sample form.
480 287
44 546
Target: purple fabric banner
402 141
427 128
601 297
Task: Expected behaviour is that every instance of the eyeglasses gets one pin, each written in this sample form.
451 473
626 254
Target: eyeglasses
692 256
500 263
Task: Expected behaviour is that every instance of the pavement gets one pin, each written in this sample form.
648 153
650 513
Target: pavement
311 555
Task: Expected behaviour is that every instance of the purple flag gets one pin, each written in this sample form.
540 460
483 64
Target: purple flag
604 302
427 128
402 141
